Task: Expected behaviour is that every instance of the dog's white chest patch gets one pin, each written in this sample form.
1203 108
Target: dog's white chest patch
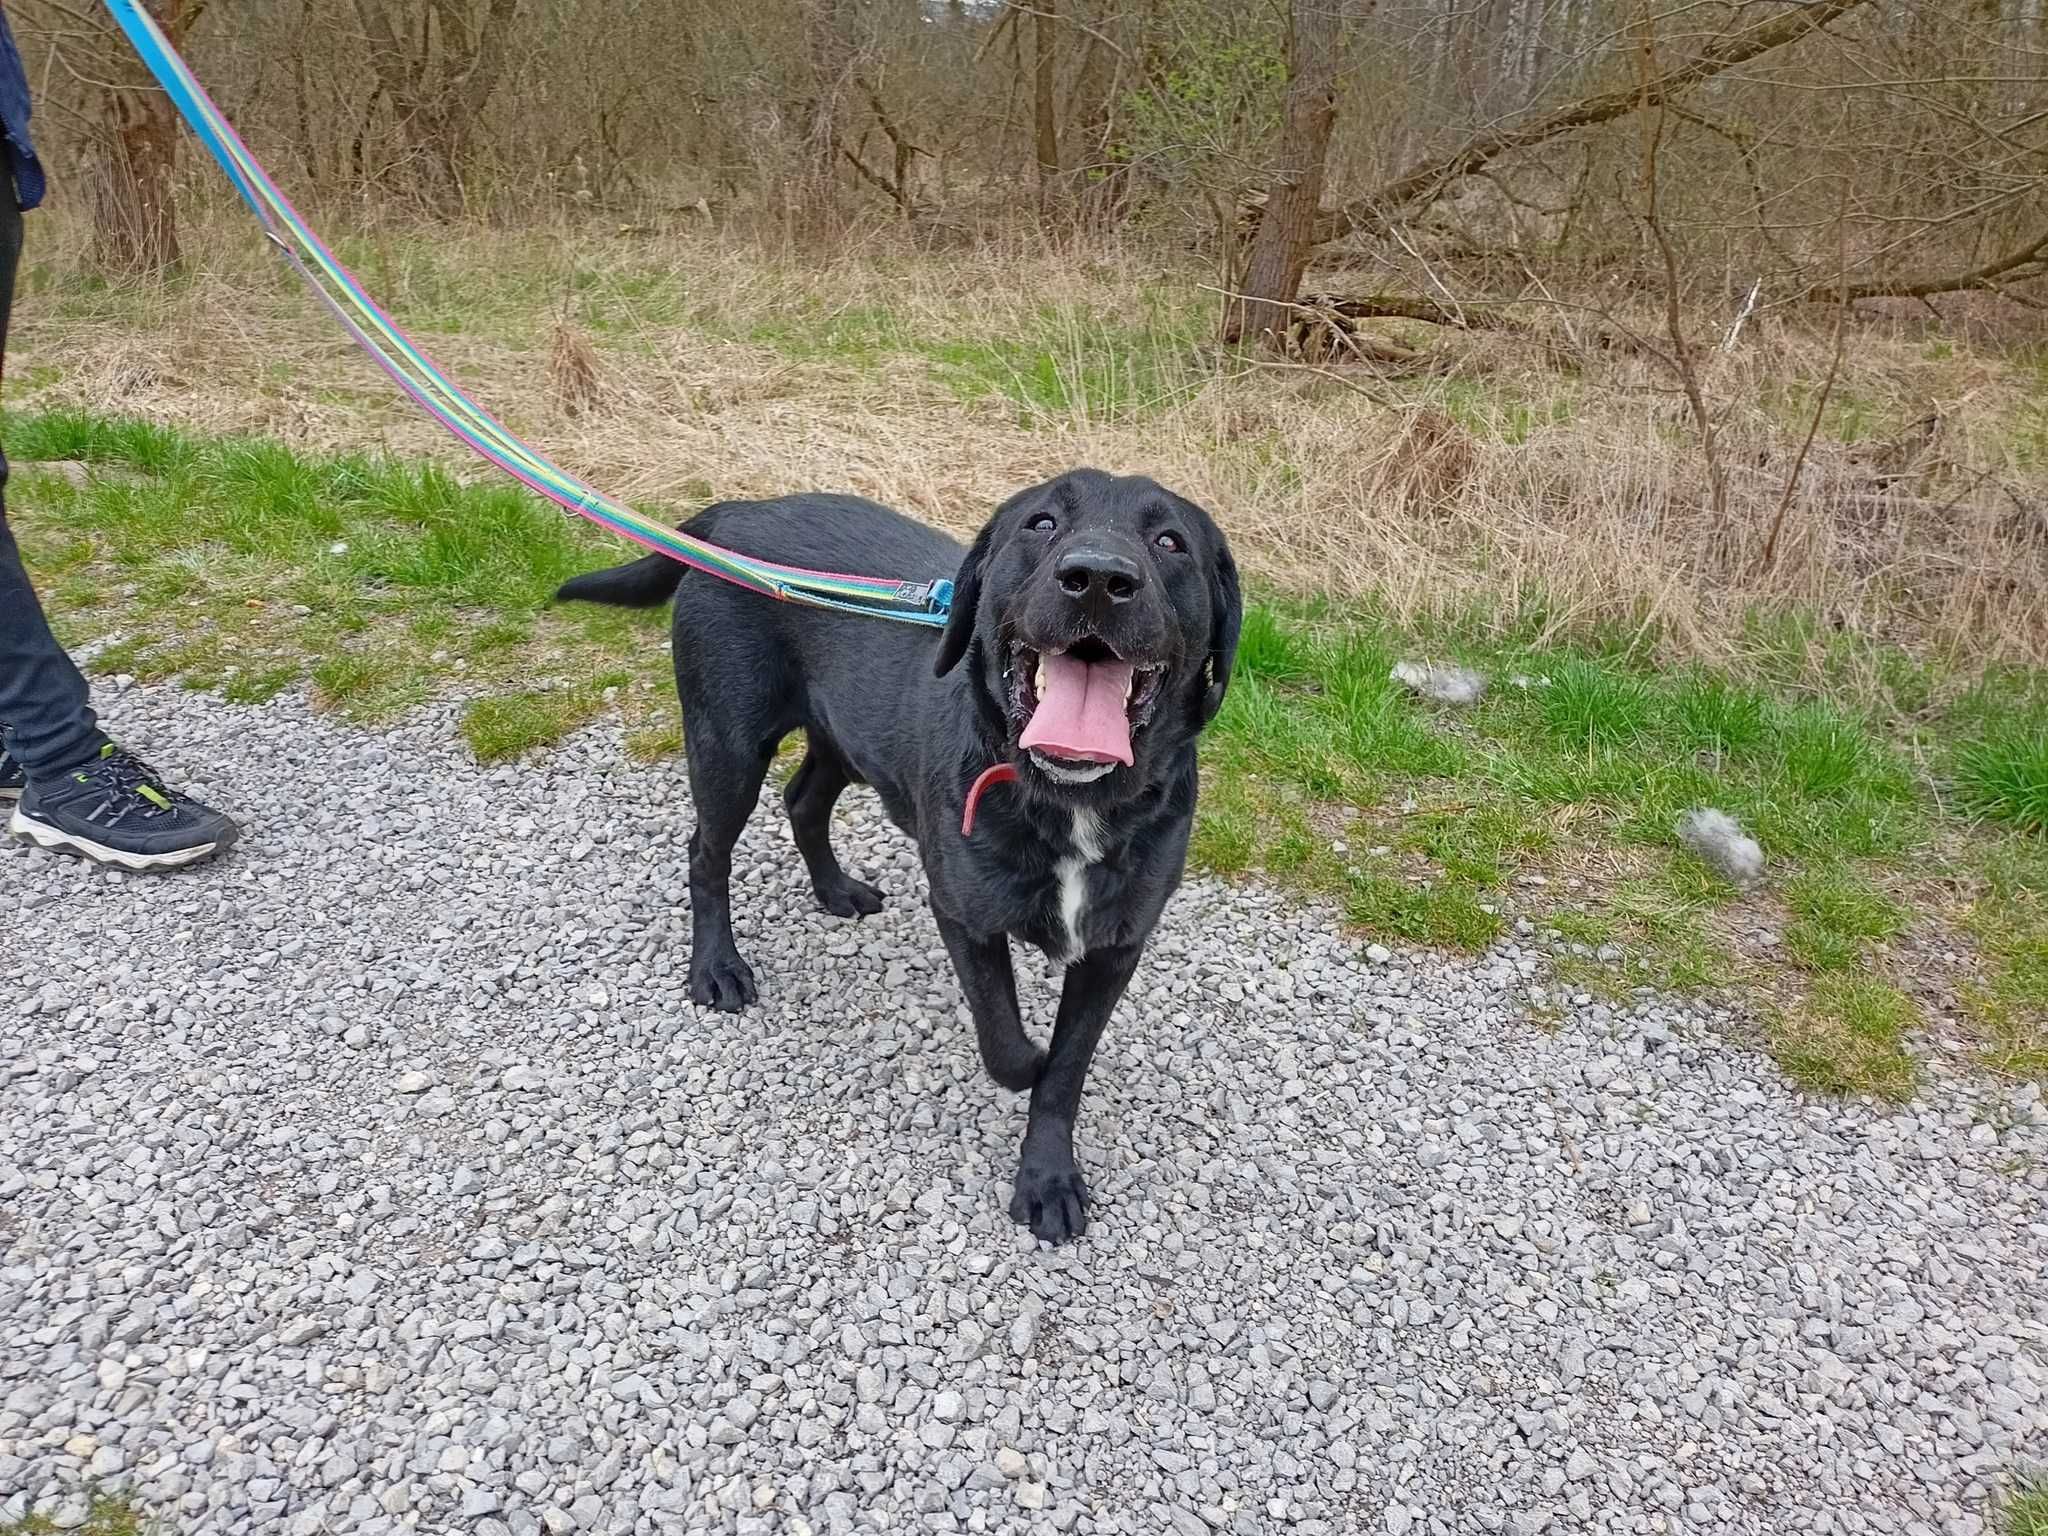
1073 876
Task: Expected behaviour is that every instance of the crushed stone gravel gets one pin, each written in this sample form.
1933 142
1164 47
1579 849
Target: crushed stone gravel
383 1178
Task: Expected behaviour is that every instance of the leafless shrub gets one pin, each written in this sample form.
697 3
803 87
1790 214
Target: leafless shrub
572 372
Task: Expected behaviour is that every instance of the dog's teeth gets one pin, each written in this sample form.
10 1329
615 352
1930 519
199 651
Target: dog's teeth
1038 678
1130 683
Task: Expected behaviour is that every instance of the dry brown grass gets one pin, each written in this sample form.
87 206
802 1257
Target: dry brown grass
572 370
689 364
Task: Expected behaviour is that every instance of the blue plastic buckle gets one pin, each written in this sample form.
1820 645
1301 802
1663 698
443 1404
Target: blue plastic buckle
932 596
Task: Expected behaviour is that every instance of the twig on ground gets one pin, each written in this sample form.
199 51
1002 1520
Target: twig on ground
1748 307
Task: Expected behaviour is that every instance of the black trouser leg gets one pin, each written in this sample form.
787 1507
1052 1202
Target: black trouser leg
45 707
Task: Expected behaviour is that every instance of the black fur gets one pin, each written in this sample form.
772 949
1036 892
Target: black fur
920 716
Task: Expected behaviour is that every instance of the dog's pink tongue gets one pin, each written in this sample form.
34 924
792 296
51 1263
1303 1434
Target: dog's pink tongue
1080 711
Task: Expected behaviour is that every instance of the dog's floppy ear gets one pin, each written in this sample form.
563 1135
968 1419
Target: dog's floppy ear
959 631
1226 618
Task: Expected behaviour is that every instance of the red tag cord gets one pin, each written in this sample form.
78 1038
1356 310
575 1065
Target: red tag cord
1002 773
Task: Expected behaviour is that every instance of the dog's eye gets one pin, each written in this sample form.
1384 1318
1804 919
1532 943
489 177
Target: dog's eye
1172 543
1042 523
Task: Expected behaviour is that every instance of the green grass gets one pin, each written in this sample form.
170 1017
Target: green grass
1589 706
428 287
651 743
1835 916
237 511
1271 649
109 1515
253 568
1074 368
1848 1038
511 725
1486 410
1709 714
1446 913
629 303
1847 416
2008 922
2003 775
246 567
263 684
2024 1511
862 334
125 442
1478 844
1065 363
365 686
1590 766
1229 834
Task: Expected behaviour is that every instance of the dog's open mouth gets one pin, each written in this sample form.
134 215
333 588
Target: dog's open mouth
1079 707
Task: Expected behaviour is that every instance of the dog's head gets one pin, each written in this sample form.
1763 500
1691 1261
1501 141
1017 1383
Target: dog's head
1100 616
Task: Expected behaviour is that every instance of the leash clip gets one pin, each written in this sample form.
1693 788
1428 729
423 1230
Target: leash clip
932 596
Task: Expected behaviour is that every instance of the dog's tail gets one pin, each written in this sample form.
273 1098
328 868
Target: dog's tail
642 584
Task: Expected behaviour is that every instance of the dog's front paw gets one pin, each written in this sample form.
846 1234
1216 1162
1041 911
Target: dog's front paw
850 898
1017 1068
1051 1198
724 982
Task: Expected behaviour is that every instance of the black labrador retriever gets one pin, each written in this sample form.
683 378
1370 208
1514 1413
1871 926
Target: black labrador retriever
1093 627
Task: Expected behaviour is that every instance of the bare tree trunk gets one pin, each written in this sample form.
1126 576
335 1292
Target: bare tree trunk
1101 179
1496 91
1287 229
1045 112
135 211
440 84
302 118
829 54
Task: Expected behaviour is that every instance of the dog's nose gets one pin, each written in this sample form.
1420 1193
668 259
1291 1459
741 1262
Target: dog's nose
1099 574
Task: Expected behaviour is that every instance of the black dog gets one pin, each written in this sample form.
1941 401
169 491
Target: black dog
1097 619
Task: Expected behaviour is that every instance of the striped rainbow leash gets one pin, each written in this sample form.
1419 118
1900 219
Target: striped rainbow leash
912 602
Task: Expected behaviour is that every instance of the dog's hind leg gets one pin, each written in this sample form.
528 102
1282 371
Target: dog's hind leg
812 792
725 781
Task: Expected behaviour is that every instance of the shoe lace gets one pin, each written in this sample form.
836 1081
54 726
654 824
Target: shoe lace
130 788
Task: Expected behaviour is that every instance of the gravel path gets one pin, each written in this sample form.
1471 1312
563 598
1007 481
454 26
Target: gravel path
382 1177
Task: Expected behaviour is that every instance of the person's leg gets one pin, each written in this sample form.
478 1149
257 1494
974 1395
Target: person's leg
76 789
46 713
44 705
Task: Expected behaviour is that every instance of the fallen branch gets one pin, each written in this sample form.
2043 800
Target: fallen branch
1374 212
1316 332
2023 263
1470 315
1467 315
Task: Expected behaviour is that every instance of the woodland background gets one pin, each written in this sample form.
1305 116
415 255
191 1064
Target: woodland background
1751 294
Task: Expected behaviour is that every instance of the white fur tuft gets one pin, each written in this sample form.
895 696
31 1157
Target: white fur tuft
1718 838
1444 684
